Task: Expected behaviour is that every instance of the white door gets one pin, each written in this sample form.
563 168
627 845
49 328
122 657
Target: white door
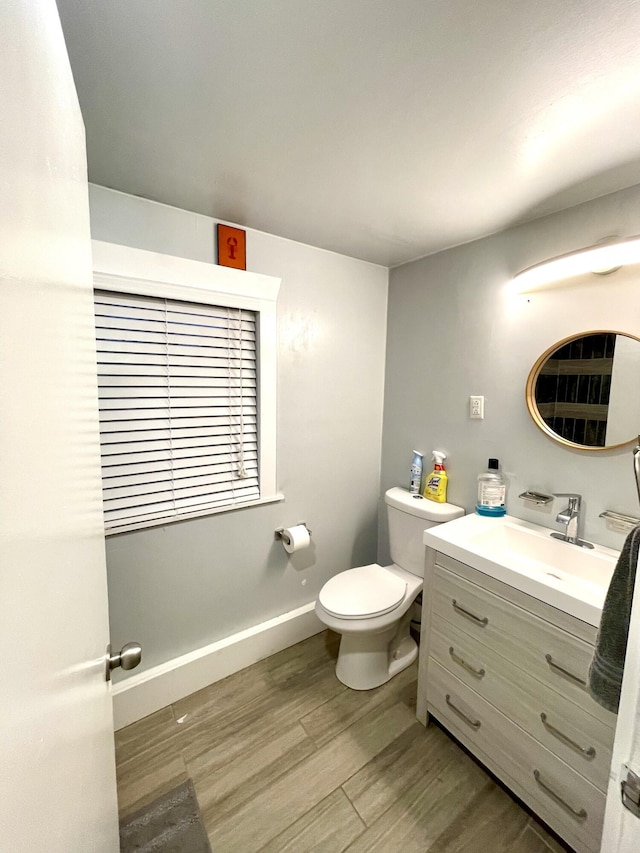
57 776
621 828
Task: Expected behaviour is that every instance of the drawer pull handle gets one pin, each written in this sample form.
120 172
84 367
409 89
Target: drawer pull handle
588 752
475 724
581 815
565 672
479 673
484 622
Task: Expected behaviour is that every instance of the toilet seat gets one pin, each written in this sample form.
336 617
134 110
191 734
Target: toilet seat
363 592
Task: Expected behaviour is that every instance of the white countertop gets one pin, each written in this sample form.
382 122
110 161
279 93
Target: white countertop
523 555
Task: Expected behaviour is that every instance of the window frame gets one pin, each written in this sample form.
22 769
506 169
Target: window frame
125 269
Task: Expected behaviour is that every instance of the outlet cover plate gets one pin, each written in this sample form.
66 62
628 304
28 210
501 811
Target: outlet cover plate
476 407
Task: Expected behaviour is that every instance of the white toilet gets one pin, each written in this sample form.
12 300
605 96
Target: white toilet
371 606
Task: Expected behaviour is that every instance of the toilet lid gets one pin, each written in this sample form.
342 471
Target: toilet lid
365 591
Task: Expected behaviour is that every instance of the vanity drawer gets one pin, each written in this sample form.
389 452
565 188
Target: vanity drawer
580 739
550 654
565 800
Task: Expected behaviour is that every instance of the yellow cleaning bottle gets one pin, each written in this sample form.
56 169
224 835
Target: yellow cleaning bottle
435 487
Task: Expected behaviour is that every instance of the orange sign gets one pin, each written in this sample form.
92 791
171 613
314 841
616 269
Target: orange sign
232 247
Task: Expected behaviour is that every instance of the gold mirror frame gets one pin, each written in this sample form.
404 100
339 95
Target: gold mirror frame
532 404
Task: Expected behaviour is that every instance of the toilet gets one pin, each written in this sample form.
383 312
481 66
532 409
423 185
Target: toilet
370 606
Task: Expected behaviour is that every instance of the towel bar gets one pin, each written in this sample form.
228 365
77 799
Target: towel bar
618 520
536 497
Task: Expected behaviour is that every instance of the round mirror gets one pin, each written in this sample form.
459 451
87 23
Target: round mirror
584 391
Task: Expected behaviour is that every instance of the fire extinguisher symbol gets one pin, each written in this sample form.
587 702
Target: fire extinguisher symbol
232 245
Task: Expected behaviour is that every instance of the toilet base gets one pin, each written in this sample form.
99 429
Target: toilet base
366 661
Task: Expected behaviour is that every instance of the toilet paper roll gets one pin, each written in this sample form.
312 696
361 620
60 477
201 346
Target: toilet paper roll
295 538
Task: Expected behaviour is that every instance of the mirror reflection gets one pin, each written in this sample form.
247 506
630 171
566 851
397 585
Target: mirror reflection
585 390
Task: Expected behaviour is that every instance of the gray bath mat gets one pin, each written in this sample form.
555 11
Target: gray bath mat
170 824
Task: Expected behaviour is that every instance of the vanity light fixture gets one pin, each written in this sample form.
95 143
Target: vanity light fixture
599 259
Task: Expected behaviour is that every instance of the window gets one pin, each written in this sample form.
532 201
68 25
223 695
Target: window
186 381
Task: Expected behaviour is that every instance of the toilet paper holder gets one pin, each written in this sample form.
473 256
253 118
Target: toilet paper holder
280 534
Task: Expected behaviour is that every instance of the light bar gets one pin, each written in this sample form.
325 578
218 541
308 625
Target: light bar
594 259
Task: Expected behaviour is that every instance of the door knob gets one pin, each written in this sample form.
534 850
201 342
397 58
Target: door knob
128 657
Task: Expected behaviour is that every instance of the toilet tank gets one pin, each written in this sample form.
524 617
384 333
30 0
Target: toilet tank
409 515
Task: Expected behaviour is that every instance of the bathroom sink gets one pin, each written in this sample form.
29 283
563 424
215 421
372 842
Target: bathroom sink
524 555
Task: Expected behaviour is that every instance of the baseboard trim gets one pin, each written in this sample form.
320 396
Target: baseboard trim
140 695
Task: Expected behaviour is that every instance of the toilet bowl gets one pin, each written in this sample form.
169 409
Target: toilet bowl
370 606
366 606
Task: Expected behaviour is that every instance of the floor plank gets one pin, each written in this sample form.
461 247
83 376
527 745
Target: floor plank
222 699
422 812
492 821
310 781
151 731
529 842
293 663
148 775
406 763
337 714
225 787
329 827
555 845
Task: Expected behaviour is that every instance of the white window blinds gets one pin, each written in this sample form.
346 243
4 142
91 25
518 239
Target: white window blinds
178 407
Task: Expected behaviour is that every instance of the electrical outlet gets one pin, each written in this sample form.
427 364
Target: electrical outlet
476 407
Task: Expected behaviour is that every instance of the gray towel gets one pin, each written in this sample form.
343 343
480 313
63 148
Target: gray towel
605 672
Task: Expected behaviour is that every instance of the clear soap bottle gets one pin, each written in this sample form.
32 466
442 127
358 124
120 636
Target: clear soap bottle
492 490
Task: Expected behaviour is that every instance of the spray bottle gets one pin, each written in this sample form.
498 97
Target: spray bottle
435 487
416 473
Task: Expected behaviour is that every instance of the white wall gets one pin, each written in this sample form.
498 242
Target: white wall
179 587
455 329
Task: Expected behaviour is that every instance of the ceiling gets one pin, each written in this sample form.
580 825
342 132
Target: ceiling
381 129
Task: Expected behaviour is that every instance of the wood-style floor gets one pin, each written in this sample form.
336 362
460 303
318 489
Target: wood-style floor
284 758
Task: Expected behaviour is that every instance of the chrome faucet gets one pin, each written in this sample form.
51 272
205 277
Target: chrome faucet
570 516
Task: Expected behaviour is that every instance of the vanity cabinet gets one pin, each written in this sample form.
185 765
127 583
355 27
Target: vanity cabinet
506 674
